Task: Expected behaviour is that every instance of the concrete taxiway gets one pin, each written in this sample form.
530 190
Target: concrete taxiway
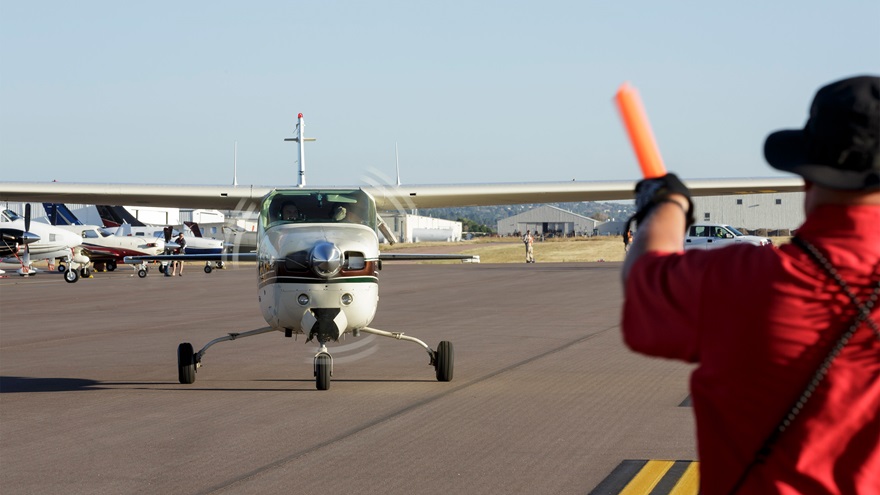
545 397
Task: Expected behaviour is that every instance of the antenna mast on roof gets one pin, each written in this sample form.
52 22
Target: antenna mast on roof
397 160
235 164
300 138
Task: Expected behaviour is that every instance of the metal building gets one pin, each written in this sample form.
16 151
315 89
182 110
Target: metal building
407 227
772 211
548 219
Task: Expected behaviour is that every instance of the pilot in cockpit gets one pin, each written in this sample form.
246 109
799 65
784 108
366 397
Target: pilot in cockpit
289 211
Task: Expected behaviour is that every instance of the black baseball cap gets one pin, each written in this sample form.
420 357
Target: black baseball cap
839 147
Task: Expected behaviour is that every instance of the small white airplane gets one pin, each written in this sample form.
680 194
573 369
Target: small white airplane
52 243
318 250
120 218
12 238
110 249
99 245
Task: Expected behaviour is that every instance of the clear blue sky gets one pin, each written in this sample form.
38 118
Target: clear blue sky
472 91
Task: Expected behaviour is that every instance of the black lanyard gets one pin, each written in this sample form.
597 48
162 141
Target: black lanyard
864 315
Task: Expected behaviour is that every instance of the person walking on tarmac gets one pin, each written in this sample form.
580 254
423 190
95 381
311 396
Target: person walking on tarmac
786 392
529 240
181 249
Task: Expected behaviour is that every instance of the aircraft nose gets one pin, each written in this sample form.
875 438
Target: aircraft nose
326 259
29 237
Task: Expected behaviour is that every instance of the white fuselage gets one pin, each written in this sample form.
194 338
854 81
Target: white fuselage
102 245
54 242
194 245
339 303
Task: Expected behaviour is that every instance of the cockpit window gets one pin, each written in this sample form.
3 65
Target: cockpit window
90 234
319 206
9 216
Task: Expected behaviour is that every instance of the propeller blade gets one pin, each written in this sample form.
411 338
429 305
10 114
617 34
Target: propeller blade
27 217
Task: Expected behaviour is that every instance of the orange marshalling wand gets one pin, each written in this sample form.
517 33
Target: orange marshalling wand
639 130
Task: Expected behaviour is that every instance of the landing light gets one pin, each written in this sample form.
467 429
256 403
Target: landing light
303 299
347 299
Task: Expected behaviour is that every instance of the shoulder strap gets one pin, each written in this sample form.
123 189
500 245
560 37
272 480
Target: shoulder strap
864 315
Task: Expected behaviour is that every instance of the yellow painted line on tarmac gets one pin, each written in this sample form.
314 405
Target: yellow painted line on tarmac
651 477
647 478
689 483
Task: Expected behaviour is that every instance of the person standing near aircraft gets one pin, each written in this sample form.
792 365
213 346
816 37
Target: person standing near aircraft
181 249
529 240
787 389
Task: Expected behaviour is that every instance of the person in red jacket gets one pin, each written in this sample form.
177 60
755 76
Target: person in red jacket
786 393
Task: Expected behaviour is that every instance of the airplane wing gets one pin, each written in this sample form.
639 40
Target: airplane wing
387 197
225 257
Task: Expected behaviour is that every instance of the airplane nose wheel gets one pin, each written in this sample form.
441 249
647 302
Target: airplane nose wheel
444 358
323 370
186 363
71 275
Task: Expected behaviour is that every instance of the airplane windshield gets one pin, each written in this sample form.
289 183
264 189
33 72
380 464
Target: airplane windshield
10 216
319 206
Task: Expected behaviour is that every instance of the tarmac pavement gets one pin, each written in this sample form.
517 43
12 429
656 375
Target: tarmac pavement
545 398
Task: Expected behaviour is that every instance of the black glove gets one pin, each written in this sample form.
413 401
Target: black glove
652 192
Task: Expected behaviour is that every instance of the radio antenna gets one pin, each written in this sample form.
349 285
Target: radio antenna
300 138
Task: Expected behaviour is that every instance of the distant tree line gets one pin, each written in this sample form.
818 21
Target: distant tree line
468 225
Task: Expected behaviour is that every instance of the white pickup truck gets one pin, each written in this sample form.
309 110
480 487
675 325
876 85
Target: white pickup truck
716 235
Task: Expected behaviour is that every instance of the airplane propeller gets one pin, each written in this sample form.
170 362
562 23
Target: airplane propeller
26 260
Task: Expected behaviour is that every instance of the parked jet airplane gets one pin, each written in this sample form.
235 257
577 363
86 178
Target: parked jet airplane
318 252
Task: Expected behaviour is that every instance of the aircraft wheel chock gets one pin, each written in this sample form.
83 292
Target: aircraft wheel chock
444 361
186 363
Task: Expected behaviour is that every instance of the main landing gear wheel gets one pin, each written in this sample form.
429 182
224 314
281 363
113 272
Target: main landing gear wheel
85 272
111 266
61 268
142 272
443 361
208 269
322 372
186 363
71 276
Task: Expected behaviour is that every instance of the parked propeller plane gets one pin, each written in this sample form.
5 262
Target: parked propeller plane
40 240
318 248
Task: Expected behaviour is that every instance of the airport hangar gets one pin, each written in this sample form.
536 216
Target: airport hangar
773 212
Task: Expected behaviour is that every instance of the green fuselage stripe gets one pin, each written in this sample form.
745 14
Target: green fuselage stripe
310 280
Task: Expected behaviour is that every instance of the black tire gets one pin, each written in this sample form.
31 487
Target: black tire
71 276
111 266
444 361
208 269
186 364
61 267
85 272
142 272
322 372
162 268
